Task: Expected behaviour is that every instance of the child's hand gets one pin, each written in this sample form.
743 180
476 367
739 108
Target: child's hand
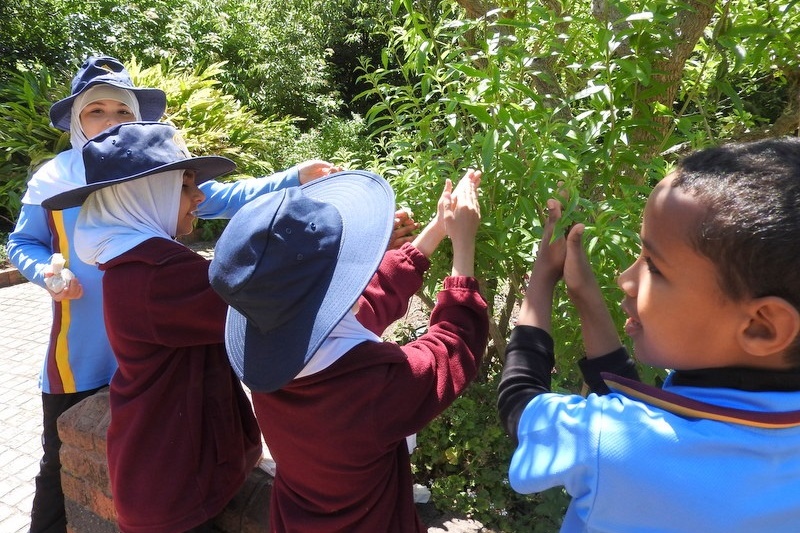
432 234
471 177
450 195
314 169
71 291
404 228
462 215
536 308
461 210
548 267
578 274
599 332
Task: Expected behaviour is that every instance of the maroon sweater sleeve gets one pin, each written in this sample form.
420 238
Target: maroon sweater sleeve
441 363
398 278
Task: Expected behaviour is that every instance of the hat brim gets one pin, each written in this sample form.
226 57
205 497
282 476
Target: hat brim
267 361
206 167
152 102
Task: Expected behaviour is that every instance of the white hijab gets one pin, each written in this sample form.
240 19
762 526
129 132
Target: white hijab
117 218
347 334
66 171
93 94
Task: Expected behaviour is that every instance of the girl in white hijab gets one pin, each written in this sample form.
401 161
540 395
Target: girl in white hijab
115 219
79 360
66 171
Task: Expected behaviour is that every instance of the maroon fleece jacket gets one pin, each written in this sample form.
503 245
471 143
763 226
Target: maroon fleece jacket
338 436
182 436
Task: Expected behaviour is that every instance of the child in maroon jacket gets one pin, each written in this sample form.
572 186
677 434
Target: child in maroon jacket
334 403
182 436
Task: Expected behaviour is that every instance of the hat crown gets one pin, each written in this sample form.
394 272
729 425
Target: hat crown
101 69
132 148
275 269
291 263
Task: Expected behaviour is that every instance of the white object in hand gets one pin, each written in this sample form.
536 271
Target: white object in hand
61 276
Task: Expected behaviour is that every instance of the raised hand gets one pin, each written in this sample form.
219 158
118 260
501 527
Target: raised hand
462 216
314 169
404 228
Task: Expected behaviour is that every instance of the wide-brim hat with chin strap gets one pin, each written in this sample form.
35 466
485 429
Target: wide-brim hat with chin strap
133 150
108 70
291 264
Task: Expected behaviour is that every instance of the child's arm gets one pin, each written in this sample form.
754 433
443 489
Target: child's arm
387 296
223 200
548 268
604 350
529 357
445 359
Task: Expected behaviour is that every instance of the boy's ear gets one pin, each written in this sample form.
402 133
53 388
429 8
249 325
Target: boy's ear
773 325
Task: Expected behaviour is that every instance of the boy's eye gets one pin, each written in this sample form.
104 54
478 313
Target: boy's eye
650 266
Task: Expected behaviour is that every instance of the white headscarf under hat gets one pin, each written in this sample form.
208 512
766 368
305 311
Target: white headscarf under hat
117 218
347 334
69 173
93 94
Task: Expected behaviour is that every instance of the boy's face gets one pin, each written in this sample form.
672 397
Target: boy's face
103 114
191 197
679 316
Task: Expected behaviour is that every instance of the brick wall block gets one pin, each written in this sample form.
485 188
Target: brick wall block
85 425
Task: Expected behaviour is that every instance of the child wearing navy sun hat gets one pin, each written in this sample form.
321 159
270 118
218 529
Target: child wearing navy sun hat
182 436
79 360
335 403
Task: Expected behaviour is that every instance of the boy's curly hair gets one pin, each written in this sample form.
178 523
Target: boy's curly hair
751 231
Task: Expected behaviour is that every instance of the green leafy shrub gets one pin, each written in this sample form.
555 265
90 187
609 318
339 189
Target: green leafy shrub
539 99
26 139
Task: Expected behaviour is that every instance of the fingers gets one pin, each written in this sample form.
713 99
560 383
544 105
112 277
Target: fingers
575 244
553 216
73 291
446 199
315 169
471 178
575 235
465 208
404 228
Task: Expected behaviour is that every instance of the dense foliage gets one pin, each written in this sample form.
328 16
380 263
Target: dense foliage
601 96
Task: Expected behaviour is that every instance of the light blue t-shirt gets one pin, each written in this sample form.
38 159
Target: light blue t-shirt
633 463
79 357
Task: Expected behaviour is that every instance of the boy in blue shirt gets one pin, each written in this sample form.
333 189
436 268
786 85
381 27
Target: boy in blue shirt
714 296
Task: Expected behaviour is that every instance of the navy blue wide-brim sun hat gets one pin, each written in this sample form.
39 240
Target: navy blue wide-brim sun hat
133 150
291 264
97 70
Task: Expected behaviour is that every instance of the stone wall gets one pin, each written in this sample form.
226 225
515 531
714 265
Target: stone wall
87 489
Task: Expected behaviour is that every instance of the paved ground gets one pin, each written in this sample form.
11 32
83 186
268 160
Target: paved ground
24 326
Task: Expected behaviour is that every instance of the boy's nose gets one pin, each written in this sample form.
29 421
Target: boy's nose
627 281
